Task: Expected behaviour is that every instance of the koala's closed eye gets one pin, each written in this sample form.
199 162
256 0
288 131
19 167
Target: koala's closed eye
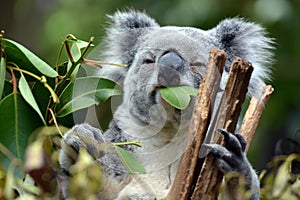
198 68
148 58
148 61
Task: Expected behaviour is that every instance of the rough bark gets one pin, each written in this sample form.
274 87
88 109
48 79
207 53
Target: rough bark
195 180
234 95
199 123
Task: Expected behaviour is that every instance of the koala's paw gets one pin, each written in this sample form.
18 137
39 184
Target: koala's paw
231 157
80 136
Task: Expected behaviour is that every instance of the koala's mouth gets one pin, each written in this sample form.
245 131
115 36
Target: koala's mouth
157 98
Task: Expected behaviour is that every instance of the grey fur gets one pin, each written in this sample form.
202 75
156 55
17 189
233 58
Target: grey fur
137 40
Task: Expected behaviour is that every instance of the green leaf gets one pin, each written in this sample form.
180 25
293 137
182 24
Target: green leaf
8 88
80 43
190 90
42 94
17 122
178 97
76 46
25 59
84 92
28 96
130 162
2 74
76 54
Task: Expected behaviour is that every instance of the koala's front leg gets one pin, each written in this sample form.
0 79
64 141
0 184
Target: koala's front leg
231 158
80 136
90 138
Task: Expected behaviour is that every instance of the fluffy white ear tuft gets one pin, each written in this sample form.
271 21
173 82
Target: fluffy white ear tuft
249 41
123 32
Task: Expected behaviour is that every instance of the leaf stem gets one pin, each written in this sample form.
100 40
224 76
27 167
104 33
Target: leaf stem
58 57
136 143
13 66
74 64
53 94
55 122
87 47
69 51
66 43
14 80
95 63
42 79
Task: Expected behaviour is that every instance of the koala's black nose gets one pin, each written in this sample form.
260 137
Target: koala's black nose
170 65
171 59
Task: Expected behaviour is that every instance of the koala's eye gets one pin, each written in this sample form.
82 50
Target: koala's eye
198 64
198 68
148 61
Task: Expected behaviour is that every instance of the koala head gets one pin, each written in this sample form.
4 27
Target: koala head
169 56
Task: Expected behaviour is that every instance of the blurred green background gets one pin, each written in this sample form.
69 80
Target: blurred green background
41 25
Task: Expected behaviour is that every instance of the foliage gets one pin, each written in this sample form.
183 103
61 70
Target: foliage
279 180
35 101
130 162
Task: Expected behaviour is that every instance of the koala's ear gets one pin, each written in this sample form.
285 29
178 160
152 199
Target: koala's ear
249 41
123 32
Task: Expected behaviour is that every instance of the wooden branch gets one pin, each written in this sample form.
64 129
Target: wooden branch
235 91
253 115
199 123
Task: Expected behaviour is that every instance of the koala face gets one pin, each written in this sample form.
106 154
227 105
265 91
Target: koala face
175 59
158 57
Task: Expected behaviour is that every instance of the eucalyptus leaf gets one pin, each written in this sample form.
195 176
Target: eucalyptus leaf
17 121
84 92
178 97
80 43
76 46
2 75
76 54
28 96
42 95
8 88
25 59
130 162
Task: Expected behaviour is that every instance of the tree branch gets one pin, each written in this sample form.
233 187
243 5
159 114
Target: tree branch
198 126
210 177
253 115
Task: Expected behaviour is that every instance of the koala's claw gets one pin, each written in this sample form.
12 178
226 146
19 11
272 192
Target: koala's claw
230 157
234 142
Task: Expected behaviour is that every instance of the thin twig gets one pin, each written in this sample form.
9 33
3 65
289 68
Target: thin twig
55 122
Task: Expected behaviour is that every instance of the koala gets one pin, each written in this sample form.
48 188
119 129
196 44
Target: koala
159 57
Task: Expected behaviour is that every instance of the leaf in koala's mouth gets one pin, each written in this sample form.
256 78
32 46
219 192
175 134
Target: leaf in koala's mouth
178 97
